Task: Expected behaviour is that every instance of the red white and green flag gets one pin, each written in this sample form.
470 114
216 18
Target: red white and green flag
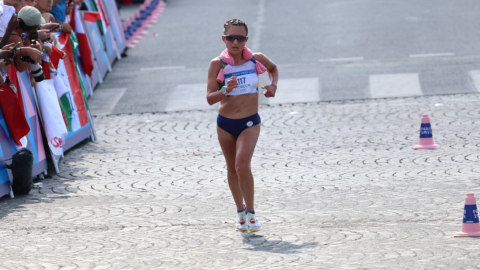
84 47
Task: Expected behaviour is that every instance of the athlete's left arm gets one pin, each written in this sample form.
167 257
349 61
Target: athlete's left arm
272 70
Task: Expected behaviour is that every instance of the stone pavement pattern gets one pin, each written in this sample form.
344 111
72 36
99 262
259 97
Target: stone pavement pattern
337 186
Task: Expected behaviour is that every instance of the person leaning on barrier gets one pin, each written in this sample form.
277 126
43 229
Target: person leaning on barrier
59 11
16 4
29 19
48 26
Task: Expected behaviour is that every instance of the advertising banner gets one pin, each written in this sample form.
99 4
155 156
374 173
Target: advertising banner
115 24
35 141
96 44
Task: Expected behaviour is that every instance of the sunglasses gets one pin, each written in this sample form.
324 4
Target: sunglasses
232 38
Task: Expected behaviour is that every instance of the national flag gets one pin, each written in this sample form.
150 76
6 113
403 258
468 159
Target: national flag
91 16
53 121
73 79
11 104
84 46
55 56
102 12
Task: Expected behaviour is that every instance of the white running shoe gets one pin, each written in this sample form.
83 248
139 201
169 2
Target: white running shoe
241 224
253 224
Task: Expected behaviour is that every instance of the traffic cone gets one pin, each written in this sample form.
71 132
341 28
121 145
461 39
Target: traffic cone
470 225
426 135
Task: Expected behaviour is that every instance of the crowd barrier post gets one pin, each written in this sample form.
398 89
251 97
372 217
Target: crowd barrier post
107 34
55 158
116 25
35 139
74 102
96 45
5 186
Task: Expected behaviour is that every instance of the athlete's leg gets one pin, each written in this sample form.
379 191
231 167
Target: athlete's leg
246 142
228 145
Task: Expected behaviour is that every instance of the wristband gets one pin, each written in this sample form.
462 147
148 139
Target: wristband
223 90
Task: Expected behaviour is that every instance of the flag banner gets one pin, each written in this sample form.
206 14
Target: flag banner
4 180
111 46
83 44
77 95
73 103
110 43
116 25
92 16
35 141
67 103
97 46
11 104
85 81
53 123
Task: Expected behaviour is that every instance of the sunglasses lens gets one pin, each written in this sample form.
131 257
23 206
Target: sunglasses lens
237 37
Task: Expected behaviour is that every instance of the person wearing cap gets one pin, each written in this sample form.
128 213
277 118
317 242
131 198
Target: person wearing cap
44 6
29 18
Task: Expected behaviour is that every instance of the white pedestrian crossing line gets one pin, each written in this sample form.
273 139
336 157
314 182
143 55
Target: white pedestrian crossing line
432 55
294 91
475 75
161 68
105 100
395 85
189 97
304 90
344 59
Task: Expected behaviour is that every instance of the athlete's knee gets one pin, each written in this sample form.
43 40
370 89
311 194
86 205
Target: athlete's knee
242 169
231 171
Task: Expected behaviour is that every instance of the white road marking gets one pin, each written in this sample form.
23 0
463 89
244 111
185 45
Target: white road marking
395 85
189 97
475 75
258 26
161 68
105 100
294 91
432 55
344 59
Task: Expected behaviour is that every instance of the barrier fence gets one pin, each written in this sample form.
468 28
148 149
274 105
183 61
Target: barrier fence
56 109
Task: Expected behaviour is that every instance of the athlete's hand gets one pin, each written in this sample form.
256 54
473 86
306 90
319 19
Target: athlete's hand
269 90
232 83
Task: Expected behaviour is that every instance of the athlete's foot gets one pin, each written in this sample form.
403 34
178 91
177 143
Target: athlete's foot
253 225
241 224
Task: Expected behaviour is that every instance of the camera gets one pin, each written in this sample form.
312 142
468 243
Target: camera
35 68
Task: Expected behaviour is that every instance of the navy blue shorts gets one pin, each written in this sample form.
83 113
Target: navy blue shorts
236 126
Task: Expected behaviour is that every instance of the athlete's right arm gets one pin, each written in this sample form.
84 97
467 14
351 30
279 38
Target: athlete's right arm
214 96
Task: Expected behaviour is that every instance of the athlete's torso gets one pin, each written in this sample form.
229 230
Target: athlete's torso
247 78
244 101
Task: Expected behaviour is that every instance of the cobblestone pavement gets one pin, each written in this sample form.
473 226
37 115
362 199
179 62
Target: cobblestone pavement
338 186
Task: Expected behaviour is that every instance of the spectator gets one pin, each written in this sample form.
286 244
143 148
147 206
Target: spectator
29 18
59 11
8 22
16 4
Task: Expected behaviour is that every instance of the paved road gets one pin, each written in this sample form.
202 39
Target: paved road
326 50
338 187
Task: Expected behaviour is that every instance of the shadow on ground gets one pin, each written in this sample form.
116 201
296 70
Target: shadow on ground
260 243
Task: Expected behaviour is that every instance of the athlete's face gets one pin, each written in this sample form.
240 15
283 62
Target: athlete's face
235 46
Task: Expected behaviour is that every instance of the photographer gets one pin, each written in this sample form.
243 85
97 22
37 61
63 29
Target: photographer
30 52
